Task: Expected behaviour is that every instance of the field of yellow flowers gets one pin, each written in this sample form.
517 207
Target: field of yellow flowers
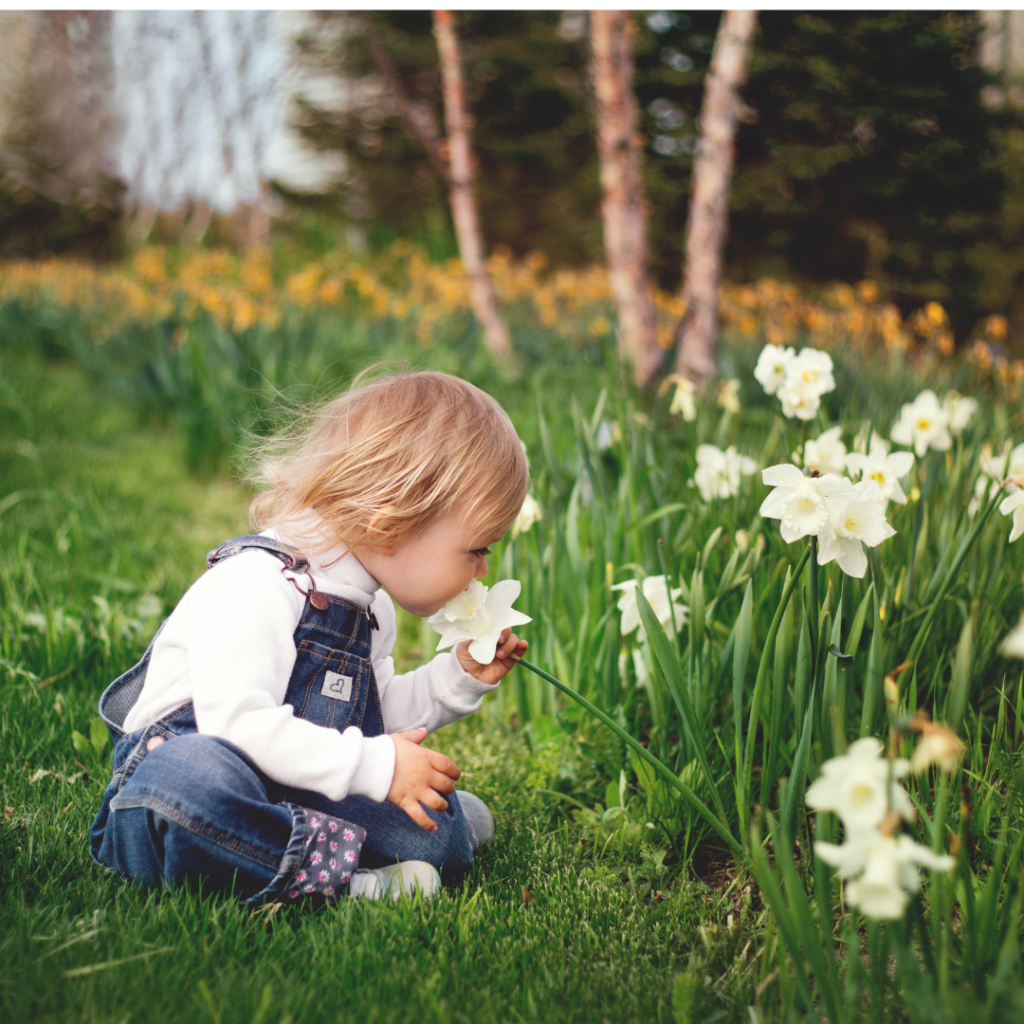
401 285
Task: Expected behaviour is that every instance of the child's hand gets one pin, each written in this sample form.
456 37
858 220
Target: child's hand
421 776
508 645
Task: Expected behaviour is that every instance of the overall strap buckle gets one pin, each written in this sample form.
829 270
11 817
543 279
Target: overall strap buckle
290 558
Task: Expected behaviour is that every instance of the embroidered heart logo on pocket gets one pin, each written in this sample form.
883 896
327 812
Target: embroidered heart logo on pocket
337 686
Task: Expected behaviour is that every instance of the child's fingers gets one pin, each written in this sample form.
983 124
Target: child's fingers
445 765
416 812
442 783
434 801
510 645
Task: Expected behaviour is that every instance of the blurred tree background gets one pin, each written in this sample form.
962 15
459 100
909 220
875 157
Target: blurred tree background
872 146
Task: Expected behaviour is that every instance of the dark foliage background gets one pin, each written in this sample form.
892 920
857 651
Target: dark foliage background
865 148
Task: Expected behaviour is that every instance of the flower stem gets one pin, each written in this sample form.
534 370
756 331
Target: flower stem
663 770
813 609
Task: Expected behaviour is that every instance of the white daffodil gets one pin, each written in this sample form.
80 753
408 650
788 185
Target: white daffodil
960 409
529 514
923 424
800 400
857 788
728 395
825 453
814 368
1013 643
655 589
800 502
1013 504
684 398
1008 462
718 473
887 868
608 433
868 440
854 519
878 443
938 745
886 470
995 468
771 367
479 614
798 380
643 677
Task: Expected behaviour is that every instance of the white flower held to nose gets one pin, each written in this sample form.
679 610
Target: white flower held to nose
479 614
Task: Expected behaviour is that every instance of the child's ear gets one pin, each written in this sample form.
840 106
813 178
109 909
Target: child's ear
379 531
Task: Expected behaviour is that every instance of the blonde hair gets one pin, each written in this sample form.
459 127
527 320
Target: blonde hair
386 458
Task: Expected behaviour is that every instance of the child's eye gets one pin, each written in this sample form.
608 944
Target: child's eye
480 552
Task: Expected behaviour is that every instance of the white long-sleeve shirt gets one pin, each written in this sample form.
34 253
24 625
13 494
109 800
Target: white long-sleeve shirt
229 648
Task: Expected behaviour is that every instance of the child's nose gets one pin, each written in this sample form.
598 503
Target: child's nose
481 568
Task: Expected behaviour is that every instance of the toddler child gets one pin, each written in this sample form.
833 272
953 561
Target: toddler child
264 743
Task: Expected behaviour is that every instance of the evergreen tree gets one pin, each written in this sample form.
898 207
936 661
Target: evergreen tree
865 149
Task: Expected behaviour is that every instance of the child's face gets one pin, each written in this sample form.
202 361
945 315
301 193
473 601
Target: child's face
424 572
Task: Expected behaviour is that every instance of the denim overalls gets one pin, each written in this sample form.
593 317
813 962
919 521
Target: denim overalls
183 806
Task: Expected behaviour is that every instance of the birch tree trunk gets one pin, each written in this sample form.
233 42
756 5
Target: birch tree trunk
623 205
461 195
712 169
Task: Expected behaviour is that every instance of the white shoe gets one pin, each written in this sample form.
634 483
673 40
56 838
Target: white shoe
395 879
478 817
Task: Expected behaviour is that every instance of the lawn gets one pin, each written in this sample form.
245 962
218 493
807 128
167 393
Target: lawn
658 864
99 517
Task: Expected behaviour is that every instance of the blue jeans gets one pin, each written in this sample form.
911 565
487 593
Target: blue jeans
196 809
184 807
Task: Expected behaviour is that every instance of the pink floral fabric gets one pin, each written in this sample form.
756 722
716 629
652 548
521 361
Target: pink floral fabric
329 857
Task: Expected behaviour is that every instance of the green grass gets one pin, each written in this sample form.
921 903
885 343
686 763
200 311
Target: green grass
102 528
97 512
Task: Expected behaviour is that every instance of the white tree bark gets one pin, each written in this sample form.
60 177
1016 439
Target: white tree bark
461 194
623 204
200 106
712 170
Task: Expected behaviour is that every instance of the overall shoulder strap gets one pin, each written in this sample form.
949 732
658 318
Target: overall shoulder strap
289 558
